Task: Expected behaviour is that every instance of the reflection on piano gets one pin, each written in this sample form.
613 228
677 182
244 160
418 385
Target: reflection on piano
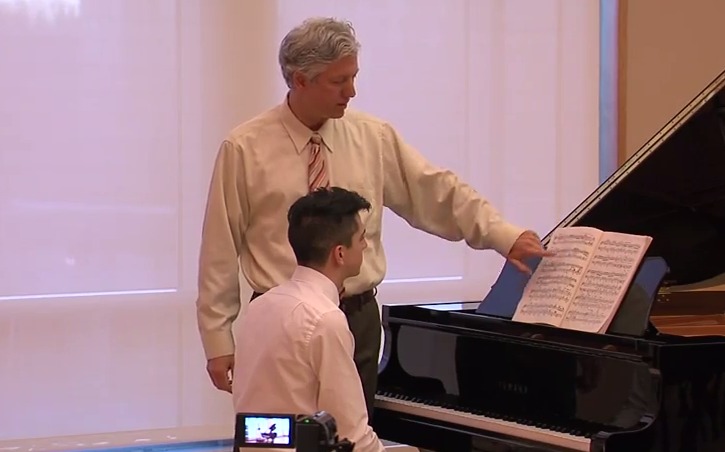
465 377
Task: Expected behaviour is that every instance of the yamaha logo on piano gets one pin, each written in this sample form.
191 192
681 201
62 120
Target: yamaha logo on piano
513 387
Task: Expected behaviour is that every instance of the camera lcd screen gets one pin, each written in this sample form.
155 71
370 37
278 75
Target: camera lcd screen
268 430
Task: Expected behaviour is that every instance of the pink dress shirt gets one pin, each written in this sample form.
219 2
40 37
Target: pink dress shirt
294 355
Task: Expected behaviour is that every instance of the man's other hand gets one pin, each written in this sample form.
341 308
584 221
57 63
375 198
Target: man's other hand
221 371
526 246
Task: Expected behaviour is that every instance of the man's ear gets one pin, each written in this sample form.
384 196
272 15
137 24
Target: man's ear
338 255
299 80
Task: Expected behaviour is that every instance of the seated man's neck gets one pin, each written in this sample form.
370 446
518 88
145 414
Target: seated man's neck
335 276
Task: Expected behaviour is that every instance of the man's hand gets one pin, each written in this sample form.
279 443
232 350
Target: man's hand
527 245
221 371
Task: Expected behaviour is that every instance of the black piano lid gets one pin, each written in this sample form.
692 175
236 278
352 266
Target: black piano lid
672 189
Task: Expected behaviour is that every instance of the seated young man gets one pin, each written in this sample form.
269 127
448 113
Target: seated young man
294 350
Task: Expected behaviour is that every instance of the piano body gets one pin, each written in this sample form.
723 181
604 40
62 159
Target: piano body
464 376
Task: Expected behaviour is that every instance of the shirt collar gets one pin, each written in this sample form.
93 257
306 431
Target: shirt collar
320 281
300 133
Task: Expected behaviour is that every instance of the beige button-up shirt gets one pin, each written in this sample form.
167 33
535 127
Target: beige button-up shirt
261 169
304 361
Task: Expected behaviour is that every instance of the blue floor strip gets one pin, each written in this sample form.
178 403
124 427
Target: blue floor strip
195 446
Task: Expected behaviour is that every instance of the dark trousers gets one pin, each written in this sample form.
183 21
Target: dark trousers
363 318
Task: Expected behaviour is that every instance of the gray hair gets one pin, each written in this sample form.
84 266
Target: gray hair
314 44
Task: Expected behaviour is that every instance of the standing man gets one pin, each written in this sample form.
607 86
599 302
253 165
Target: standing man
310 140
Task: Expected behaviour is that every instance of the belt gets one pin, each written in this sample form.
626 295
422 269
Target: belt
349 303
356 302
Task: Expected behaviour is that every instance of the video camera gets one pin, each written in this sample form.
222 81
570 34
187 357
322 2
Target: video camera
316 433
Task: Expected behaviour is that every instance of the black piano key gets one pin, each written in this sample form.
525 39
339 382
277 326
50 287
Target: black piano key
576 427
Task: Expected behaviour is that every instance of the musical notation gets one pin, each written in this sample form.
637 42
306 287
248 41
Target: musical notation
557 277
570 238
605 282
582 284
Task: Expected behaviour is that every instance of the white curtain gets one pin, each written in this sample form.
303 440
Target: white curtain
111 115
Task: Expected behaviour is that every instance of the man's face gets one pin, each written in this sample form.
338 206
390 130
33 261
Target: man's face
328 94
354 253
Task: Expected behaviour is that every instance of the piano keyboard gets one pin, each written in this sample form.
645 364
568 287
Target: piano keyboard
542 435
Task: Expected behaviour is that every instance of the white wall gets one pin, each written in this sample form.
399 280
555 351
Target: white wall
111 115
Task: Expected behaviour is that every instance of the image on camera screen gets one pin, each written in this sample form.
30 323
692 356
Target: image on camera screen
260 430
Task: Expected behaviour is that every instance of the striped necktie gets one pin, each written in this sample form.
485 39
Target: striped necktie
317 168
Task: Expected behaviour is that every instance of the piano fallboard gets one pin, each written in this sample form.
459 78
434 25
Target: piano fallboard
533 387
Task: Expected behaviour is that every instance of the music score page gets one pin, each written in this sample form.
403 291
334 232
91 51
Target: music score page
582 285
552 286
605 282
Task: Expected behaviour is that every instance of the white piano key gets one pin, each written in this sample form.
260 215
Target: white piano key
573 442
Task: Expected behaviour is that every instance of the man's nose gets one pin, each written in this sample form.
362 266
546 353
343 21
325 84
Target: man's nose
350 90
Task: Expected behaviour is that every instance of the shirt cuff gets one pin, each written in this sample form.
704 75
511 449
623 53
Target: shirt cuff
217 343
501 236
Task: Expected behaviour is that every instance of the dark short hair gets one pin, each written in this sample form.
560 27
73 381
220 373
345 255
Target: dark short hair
322 220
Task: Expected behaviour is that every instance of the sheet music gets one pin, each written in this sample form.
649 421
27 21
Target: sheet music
605 282
552 285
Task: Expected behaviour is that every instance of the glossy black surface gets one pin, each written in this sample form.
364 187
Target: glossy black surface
672 189
663 393
631 389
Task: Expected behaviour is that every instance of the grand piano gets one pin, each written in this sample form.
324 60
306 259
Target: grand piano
465 377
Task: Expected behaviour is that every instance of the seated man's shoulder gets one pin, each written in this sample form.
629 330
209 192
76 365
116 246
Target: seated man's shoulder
316 308
285 294
321 311
332 320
